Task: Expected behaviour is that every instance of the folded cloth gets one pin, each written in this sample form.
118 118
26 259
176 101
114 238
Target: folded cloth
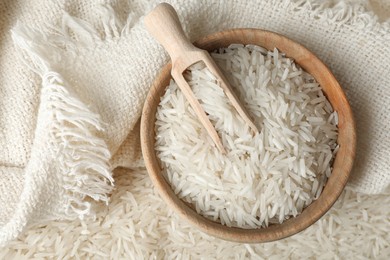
74 76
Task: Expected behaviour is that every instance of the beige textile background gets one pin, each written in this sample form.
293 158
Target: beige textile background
112 77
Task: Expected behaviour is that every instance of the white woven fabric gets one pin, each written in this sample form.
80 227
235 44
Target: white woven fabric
75 74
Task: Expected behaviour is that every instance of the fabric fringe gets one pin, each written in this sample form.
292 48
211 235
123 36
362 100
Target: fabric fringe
345 13
78 31
82 157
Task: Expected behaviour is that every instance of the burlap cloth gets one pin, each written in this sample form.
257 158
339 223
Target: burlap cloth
74 75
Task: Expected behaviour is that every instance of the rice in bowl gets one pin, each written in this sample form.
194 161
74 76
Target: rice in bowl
264 178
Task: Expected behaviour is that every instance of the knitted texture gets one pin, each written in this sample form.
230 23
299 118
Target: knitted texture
75 75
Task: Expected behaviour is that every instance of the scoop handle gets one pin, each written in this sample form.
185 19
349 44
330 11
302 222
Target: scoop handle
164 24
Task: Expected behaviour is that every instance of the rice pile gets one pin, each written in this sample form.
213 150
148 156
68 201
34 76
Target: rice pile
264 178
138 225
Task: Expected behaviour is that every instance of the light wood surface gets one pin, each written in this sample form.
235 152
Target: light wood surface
163 23
341 166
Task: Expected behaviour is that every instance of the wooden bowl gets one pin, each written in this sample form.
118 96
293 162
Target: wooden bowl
341 167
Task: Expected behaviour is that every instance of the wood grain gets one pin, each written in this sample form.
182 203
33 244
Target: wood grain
341 167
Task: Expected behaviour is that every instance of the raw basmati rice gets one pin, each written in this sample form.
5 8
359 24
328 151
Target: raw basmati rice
265 178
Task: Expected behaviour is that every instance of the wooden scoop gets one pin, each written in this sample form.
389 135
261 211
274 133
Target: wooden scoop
163 23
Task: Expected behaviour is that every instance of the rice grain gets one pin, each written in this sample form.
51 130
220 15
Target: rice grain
265 178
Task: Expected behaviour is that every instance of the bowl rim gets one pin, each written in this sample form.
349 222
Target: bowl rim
344 157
